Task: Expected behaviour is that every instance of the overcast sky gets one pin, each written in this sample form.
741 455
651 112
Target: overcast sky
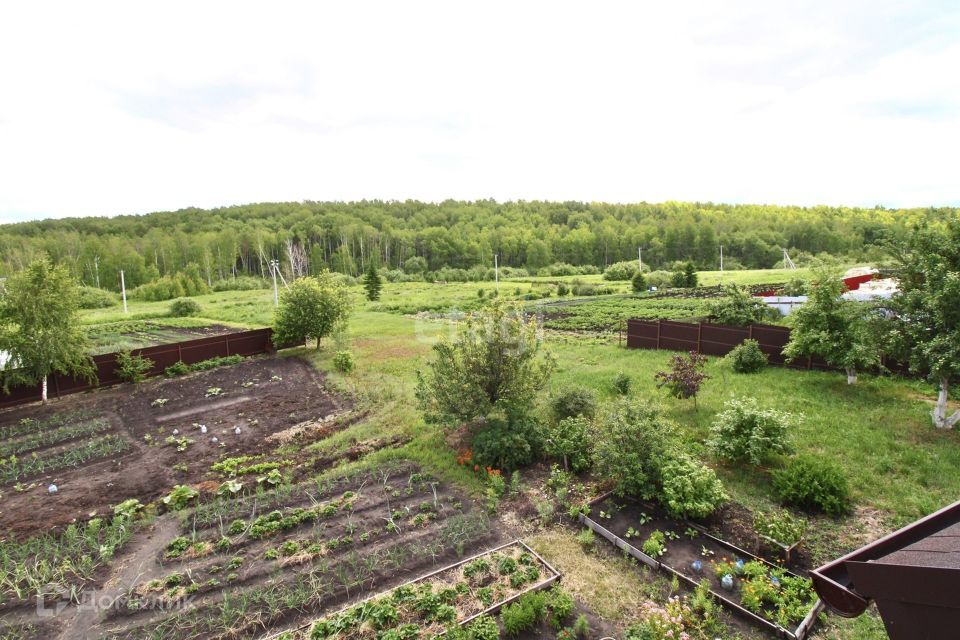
130 107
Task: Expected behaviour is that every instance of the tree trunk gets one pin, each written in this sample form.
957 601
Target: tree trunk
43 390
940 419
851 375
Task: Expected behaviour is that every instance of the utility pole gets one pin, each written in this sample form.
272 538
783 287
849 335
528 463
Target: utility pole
273 271
496 270
123 290
640 258
96 268
721 258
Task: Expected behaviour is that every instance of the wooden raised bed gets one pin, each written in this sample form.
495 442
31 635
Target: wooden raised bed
682 570
549 576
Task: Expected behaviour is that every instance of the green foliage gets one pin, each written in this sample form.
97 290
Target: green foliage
506 442
638 283
133 368
812 483
781 526
178 368
685 276
180 497
743 432
621 270
927 329
523 614
587 539
93 298
739 308
685 377
835 329
372 282
690 489
184 284
127 509
40 328
655 545
747 357
184 307
633 436
311 308
493 363
570 441
579 401
796 287
343 361
621 384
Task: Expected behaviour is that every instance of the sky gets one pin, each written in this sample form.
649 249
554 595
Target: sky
127 107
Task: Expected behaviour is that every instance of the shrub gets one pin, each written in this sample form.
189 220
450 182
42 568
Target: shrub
587 539
634 437
743 432
581 628
781 526
524 614
574 402
132 368
562 289
183 307
179 368
685 377
343 361
815 484
685 277
505 443
187 283
180 497
638 283
796 287
747 357
621 270
570 441
94 298
690 489
655 545
658 279
740 309
311 309
560 605
621 384
241 283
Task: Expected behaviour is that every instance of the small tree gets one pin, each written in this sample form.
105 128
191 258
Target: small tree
372 282
928 309
41 331
570 441
311 308
739 308
638 282
743 432
133 368
495 361
685 276
685 377
835 329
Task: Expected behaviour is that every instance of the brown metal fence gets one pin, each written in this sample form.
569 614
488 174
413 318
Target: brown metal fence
720 339
243 343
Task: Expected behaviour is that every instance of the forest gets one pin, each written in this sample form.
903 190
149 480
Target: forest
424 239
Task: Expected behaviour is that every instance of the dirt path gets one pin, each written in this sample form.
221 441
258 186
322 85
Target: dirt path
137 563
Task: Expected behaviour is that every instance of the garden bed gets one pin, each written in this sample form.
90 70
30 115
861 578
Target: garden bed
425 607
766 594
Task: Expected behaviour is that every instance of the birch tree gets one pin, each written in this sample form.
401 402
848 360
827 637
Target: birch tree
41 332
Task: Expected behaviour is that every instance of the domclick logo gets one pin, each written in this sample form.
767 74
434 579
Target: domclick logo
52 600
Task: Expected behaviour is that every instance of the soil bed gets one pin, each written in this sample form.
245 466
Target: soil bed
693 555
282 392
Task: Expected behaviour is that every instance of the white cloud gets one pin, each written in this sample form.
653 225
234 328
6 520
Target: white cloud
115 107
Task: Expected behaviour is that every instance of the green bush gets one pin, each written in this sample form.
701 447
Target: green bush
621 384
241 283
183 307
179 368
132 368
747 357
659 279
94 298
506 444
560 605
571 442
621 270
574 402
812 483
690 489
524 614
187 283
343 361
638 283
740 309
562 289
743 432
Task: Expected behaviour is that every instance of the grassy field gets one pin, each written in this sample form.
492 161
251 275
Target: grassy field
879 431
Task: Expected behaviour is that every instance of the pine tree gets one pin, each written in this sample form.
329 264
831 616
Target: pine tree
372 283
690 275
639 283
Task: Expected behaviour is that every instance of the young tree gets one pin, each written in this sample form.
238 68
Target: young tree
739 308
835 329
372 282
638 282
41 332
494 362
928 310
685 377
311 308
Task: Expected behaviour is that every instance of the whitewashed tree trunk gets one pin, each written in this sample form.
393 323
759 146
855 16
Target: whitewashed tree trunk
43 390
851 375
940 419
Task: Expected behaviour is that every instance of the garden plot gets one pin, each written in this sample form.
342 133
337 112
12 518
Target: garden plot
269 560
764 593
427 606
138 442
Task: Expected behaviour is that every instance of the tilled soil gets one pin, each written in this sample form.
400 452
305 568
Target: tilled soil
260 396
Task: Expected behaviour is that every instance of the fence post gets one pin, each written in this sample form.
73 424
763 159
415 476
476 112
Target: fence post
658 333
179 352
750 335
227 340
56 385
700 337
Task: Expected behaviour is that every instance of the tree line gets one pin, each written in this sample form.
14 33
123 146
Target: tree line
417 237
